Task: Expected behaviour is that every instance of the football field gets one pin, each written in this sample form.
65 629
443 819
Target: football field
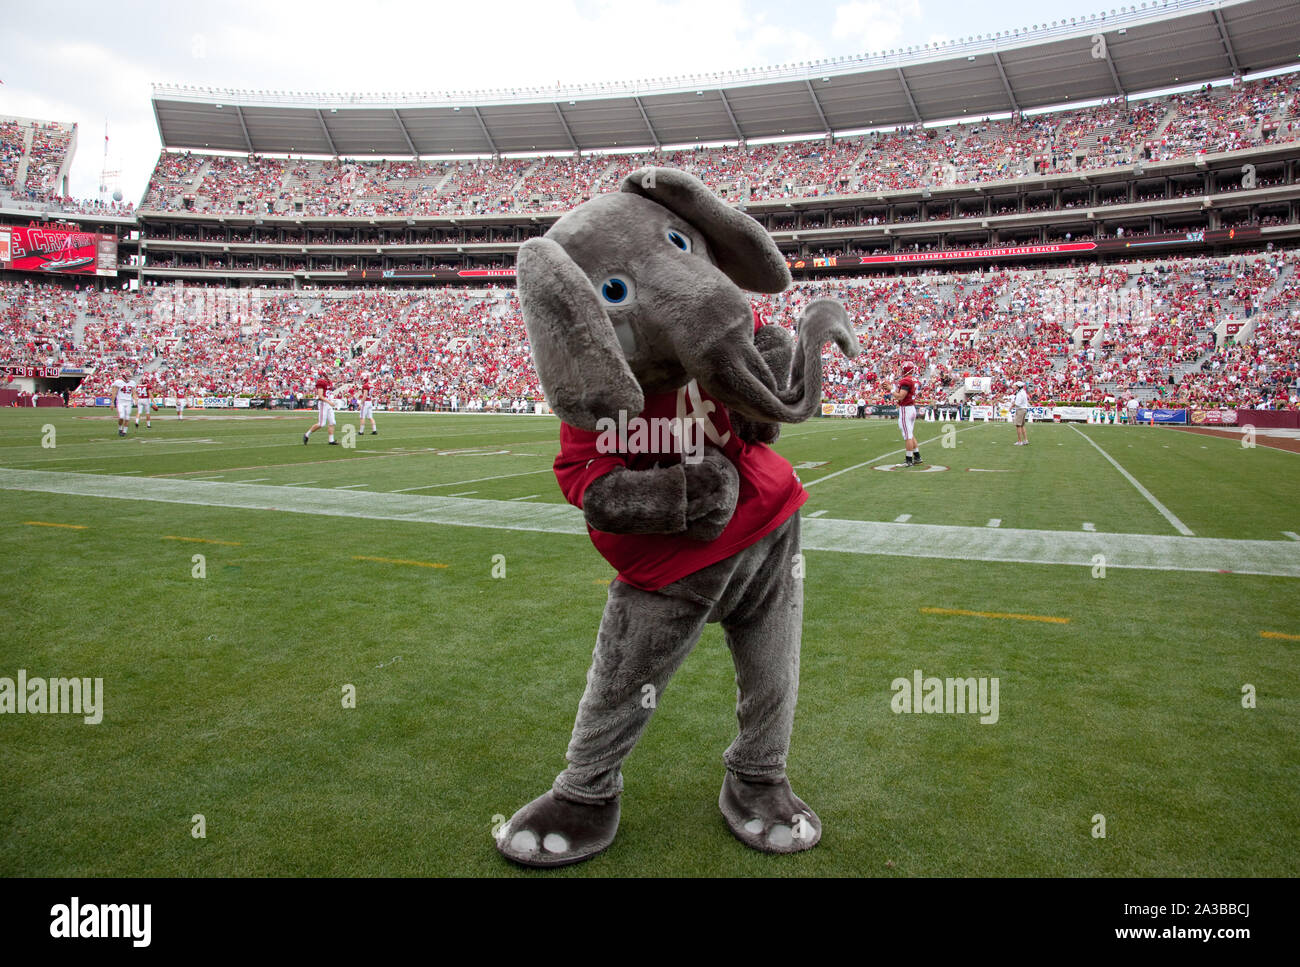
357 660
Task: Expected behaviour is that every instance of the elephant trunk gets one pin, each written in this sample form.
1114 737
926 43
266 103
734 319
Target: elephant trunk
733 370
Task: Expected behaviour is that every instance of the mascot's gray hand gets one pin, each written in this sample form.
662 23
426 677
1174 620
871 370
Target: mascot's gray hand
777 349
712 486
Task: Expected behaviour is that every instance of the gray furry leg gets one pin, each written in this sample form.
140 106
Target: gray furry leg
763 633
643 639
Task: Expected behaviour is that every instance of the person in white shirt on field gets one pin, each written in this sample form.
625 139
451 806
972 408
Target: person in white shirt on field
123 398
325 406
1020 413
367 407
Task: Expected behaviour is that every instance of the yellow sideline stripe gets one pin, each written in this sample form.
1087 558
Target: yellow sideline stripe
1278 634
202 540
46 523
998 614
397 560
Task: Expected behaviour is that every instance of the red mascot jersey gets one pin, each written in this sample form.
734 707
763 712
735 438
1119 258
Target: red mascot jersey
770 492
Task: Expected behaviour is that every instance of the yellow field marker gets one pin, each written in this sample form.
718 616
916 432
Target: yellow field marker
1280 635
397 560
606 583
202 540
998 614
46 523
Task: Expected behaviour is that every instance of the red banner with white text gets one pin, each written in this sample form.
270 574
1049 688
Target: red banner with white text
57 250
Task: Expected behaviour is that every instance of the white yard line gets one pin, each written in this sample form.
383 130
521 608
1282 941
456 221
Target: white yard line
529 497
299 483
867 463
1164 511
1089 526
216 446
1292 534
1279 558
456 483
994 522
463 493
500 476
902 518
816 513
254 480
351 486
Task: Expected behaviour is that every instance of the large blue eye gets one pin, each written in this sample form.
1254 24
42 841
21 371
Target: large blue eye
616 290
680 240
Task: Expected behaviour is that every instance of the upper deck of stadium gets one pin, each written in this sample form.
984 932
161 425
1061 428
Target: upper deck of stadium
1120 53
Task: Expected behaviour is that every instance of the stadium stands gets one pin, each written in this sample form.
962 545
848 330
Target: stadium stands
34 157
1154 322
1120 132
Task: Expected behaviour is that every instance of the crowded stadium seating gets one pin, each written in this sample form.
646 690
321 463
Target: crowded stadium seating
34 157
34 160
1156 325
1212 119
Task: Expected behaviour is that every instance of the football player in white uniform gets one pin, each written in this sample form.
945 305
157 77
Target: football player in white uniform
367 411
123 397
325 404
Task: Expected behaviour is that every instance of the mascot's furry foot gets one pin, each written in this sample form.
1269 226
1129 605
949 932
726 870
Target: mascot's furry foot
556 832
768 816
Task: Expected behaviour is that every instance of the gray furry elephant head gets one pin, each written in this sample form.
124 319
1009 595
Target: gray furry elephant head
639 291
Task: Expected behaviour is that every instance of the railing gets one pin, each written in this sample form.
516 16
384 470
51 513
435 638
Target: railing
805 70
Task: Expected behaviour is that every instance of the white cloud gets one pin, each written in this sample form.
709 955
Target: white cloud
871 25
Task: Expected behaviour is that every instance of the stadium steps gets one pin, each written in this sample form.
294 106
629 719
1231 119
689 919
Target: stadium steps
857 170
1288 270
522 180
199 177
1182 369
291 185
20 176
445 180
1171 114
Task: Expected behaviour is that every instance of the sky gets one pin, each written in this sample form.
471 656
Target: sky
95 67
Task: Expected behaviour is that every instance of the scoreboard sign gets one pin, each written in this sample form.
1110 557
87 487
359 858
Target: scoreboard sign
57 249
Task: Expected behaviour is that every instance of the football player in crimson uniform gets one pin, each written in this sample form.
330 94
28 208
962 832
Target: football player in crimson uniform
180 401
142 401
324 410
367 405
905 395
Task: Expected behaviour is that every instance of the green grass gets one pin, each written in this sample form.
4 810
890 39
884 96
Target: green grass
223 694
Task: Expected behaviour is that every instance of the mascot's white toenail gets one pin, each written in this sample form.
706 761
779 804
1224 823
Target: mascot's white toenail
523 841
780 835
555 843
754 826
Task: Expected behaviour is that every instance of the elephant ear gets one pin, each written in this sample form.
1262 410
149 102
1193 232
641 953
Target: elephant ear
741 246
583 371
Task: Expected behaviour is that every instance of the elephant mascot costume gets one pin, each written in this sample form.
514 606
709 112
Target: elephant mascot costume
669 392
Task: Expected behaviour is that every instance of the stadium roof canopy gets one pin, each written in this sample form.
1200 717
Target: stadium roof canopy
1158 45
